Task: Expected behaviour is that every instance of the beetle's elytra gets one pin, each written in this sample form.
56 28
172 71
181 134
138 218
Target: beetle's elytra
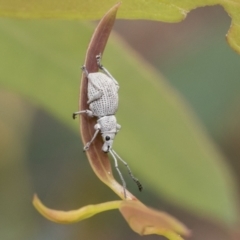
102 94
103 104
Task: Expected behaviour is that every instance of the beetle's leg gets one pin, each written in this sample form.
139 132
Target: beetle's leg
97 127
95 97
100 66
140 187
99 93
84 69
118 127
119 173
88 112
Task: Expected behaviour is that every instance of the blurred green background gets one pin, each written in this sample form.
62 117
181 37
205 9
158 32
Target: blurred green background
41 150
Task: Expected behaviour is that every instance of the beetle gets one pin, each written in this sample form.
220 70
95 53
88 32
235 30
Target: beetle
102 94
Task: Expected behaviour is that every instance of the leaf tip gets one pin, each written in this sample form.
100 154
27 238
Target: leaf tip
145 221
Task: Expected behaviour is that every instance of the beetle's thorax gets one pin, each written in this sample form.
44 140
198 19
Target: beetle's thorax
108 124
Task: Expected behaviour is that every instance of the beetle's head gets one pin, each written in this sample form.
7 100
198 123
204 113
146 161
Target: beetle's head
108 141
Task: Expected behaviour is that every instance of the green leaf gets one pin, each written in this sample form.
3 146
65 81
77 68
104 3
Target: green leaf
160 139
167 143
163 10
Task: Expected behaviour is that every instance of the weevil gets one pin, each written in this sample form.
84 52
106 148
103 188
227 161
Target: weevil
102 94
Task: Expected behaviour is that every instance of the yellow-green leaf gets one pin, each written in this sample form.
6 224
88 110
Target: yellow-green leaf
160 10
67 217
141 219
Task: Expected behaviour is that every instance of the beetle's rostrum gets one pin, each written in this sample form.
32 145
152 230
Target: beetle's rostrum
103 104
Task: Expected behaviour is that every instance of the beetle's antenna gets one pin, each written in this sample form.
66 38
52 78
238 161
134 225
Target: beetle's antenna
140 187
120 174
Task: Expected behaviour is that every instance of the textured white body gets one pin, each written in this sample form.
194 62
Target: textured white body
108 124
107 104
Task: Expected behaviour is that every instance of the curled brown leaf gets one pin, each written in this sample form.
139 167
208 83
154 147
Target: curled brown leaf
99 160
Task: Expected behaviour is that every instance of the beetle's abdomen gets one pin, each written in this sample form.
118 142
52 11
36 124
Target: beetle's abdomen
107 104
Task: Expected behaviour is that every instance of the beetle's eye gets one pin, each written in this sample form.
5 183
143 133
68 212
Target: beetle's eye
107 138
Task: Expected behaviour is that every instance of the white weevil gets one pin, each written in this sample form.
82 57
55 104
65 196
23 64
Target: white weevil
103 104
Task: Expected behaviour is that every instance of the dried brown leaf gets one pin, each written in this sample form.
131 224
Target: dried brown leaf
98 159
